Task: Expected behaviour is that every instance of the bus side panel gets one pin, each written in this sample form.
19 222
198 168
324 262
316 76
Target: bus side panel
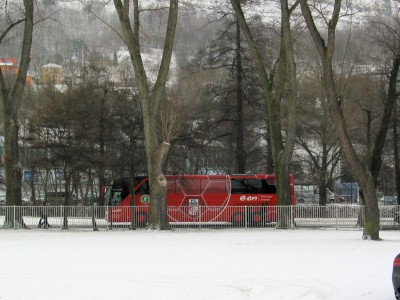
216 192
120 214
174 201
207 199
123 214
199 199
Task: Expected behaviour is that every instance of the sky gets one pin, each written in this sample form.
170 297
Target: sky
196 264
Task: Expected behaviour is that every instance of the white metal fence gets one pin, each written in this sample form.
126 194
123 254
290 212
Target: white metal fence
99 218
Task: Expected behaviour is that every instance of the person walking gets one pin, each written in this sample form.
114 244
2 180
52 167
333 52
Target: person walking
44 218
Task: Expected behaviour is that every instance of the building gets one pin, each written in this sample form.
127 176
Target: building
51 74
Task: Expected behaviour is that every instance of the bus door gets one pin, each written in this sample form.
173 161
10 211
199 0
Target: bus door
142 193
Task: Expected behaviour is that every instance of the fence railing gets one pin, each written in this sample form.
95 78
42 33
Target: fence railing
107 218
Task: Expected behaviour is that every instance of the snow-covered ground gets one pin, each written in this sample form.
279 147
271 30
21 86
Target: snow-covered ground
196 264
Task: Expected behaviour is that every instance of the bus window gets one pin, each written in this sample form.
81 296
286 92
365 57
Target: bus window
117 192
237 186
253 186
267 187
114 195
116 198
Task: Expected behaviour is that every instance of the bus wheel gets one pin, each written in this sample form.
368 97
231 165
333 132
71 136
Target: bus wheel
258 219
238 219
141 219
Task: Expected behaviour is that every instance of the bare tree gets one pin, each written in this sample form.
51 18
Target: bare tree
150 99
317 137
326 48
387 36
11 96
280 89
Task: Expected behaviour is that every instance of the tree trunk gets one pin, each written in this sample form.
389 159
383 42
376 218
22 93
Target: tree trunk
131 187
285 85
396 155
360 172
11 102
376 158
158 218
150 99
240 158
32 185
285 90
13 170
101 176
67 196
322 184
322 193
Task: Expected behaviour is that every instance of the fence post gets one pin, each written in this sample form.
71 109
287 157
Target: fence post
336 216
292 224
62 216
110 217
14 217
199 216
105 215
245 217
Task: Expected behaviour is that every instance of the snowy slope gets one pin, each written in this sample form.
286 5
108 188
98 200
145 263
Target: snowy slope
267 8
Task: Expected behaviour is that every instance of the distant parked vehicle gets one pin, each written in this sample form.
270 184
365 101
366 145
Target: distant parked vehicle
396 276
397 217
388 200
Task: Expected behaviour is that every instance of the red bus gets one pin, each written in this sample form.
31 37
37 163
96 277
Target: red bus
233 199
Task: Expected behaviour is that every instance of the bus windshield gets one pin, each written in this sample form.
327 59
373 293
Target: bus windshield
116 193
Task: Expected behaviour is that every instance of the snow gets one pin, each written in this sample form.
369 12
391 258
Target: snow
196 264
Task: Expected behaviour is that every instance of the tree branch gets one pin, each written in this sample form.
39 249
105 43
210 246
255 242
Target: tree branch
11 26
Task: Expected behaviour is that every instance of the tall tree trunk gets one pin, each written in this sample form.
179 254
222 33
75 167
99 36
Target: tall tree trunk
396 154
286 89
376 158
286 84
67 193
132 173
12 98
150 99
322 192
322 184
101 176
32 185
270 161
360 172
240 157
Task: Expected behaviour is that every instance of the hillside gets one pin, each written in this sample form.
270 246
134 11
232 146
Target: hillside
75 28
